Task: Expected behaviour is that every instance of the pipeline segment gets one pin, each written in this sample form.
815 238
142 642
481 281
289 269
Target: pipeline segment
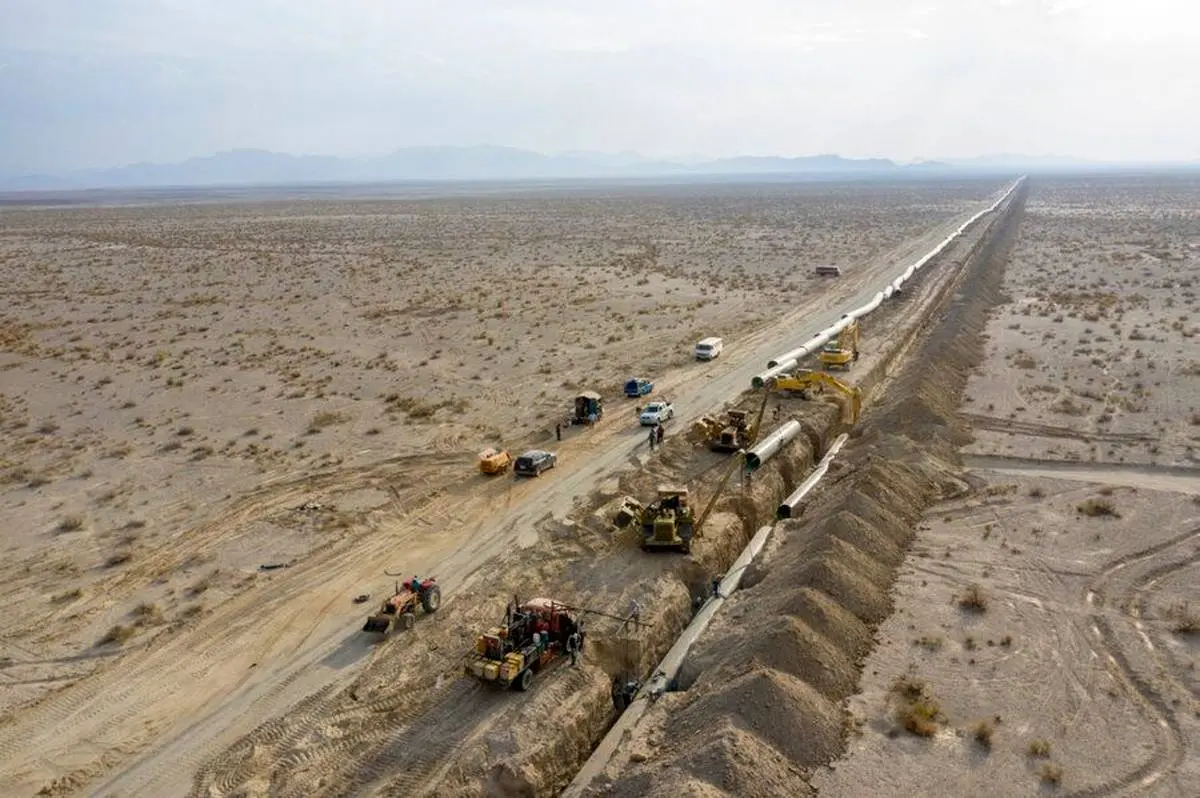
788 508
660 681
769 446
788 361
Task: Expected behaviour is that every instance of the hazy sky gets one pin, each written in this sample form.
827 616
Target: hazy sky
106 82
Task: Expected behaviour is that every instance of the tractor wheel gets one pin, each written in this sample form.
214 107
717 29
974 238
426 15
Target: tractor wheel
432 599
525 679
407 620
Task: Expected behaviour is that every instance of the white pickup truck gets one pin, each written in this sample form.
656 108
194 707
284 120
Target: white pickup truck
656 413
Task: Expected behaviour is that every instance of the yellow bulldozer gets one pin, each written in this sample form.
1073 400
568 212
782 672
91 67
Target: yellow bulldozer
843 351
806 382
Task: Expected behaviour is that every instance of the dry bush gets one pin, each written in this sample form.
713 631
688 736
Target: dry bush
72 523
916 710
1098 508
118 558
982 732
973 599
117 634
1038 748
326 419
147 615
1036 492
67 595
1184 619
1051 773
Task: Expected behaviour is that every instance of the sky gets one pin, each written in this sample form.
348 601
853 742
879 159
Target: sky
95 83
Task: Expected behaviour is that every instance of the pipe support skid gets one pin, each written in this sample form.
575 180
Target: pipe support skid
769 446
788 508
790 360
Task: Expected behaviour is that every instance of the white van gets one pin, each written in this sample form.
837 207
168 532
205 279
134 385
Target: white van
709 348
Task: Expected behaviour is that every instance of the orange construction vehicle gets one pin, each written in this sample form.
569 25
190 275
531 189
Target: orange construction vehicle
401 609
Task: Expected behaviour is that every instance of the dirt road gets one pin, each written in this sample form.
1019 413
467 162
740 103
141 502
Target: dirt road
141 728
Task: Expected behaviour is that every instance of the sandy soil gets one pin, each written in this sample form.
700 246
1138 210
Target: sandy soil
1047 621
181 384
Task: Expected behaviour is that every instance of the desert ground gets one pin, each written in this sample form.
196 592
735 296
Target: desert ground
193 391
994 585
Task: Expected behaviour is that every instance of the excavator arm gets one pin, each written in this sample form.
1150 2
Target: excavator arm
738 460
804 380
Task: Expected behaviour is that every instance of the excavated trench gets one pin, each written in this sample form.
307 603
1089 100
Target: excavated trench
796 653
761 694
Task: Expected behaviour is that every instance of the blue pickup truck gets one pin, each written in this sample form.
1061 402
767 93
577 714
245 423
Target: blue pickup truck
638 387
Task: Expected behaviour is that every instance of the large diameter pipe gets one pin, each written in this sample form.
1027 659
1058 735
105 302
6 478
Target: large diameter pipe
788 507
767 448
660 681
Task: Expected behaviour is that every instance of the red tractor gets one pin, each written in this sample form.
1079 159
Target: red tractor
401 609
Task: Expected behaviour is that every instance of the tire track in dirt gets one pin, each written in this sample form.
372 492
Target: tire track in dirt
114 696
1170 747
1012 426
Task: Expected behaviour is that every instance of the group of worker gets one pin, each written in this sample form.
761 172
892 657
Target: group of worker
656 436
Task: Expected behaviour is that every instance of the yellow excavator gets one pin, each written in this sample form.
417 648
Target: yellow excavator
842 351
806 382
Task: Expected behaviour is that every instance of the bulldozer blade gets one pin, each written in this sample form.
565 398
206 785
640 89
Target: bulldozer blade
378 624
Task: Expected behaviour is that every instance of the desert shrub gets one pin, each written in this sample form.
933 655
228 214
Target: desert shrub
973 599
117 634
982 732
1051 773
916 710
72 523
1038 748
1185 620
118 558
1098 508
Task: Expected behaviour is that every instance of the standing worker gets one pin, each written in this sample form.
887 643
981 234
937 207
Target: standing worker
659 433
558 430
573 648
653 438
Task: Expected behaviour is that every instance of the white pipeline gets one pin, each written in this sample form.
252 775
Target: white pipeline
765 449
788 508
788 361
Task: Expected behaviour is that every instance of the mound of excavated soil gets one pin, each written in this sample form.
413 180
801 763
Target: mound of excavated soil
779 709
731 763
824 615
785 644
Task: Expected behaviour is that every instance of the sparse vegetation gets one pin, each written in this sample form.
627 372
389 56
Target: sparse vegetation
72 523
118 558
1098 508
118 634
1184 619
982 732
1038 748
973 599
916 710
1050 773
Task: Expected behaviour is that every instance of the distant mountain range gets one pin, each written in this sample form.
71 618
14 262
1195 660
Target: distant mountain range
262 167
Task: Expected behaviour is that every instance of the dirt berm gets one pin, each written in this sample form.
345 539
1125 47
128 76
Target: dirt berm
411 724
760 698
